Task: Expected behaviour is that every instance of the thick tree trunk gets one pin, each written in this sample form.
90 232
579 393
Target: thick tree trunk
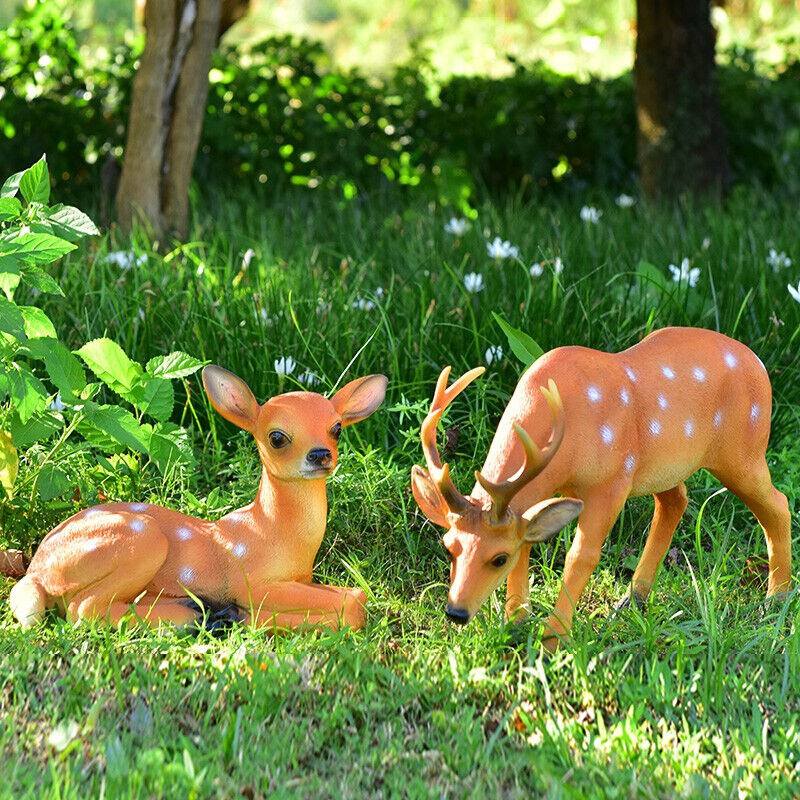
681 136
167 110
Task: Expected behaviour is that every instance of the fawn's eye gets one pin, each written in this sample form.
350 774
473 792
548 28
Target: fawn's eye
336 430
278 439
498 561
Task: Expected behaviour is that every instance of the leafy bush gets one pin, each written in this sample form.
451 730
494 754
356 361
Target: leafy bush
44 393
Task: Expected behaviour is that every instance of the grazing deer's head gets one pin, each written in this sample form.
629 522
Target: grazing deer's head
297 433
484 538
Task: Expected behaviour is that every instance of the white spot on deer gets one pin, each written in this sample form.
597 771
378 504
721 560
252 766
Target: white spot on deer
183 534
730 360
668 373
593 393
718 419
240 549
92 512
754 412
606 434
631 374
138 507
662 402
625 396
699 374
630 463
655 427
137 525
688 427
186 575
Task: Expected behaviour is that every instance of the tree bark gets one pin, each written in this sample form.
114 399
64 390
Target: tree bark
680 132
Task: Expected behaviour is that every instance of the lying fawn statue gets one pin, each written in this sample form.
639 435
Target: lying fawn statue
632 423
252 565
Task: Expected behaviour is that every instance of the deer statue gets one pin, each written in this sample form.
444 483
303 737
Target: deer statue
632 423
253 565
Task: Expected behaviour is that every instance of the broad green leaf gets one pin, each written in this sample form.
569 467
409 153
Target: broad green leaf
39 427
40 248
173 365
71 223
169 445
9 462
157 399
52 482
34 185
10 208
9 260
28 395
108 361
64 369
11 185
37 323
8 284
650 274
117 424
522 345
39 279
11 319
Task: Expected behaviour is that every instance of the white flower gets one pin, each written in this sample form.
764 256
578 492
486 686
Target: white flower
261 314
558 266
493 353
778 260
285 365
499 249
380 292
309 378
625 201
363 304
125 259
457 226
247 257
56 404
591 214
795 293
536 270
685 274
473 282
706 243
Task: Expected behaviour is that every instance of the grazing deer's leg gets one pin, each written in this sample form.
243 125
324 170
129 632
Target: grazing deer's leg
771 508
600 511
669 509
518 587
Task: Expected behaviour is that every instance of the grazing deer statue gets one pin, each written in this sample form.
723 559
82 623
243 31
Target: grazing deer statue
632 423
252 565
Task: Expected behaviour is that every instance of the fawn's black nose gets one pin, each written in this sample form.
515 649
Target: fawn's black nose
319 457
457 615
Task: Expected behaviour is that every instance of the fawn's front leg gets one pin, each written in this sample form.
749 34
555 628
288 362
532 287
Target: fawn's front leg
289 604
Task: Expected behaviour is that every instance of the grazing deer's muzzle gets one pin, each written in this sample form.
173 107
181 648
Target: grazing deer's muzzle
458 615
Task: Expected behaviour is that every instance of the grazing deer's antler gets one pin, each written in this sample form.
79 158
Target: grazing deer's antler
535 459
440 473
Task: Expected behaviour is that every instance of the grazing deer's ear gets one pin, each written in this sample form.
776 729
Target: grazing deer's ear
427 496
359 398
231 397
546 519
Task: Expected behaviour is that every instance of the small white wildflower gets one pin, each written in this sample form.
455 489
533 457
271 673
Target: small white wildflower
795 293
140 313
380 292
536 270
591 214
473 282
56 404
685 273
363 304
201 268
309 378
125 259
625 201
778 260
493 353
261 314
457 226
706 243
247 257
558 266
285 365
500 249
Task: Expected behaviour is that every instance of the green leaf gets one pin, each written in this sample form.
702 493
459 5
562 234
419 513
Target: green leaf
9 261
9 462
10 208
115 424
28 395
52 482
108 361
11 185
39 279
39 427
40 248
37 323
11 319
68 222
522 345
8 284
173 365
169 445
64 369
34 185
157 399
650 274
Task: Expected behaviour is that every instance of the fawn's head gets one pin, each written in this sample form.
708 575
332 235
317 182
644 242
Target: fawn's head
297 433
484 538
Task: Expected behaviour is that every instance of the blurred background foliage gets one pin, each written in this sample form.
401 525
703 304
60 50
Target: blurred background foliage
453 99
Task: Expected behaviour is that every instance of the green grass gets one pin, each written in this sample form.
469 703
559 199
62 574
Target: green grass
697 694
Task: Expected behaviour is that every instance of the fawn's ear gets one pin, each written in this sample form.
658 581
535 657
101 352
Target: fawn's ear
426 494
359 398
546 519
231 396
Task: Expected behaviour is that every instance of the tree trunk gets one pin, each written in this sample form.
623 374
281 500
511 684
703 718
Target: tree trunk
681 136
167 110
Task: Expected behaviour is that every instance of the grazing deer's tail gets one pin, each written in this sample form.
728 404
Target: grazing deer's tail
13 563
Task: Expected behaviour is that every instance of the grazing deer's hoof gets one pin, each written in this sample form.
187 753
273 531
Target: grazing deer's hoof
517 614
626 600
